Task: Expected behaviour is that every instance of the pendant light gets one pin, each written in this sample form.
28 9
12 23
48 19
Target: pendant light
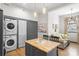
35 13
44 9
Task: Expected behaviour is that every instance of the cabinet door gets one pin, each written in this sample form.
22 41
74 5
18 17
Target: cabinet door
1 32
32 27
22 33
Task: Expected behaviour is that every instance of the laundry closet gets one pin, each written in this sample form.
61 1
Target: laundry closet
16 31
16 26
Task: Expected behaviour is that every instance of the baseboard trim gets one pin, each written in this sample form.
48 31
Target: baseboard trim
74 42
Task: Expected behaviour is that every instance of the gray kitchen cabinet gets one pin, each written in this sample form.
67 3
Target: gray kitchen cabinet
32 29
47 48
33 51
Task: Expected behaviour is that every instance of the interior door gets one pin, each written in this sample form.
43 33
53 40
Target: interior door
32 29
22 33
1 32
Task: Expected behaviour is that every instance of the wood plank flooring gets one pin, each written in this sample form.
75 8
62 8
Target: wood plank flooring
17 52
71 50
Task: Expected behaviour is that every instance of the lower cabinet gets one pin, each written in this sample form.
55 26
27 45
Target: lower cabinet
33 51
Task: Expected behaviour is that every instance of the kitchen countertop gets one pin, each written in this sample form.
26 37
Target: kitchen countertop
43 44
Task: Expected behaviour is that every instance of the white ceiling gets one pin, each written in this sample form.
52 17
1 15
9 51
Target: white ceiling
38 6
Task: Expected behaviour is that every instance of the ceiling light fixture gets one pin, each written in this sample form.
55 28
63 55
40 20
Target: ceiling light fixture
35 14
44 10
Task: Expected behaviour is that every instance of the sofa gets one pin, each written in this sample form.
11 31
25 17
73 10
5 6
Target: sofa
61 38
64 43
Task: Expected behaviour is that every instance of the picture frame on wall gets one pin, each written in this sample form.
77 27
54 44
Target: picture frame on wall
54 26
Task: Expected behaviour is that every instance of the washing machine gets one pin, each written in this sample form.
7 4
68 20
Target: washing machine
10 42
10 26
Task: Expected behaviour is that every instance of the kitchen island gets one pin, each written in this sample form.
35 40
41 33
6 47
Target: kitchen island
42 47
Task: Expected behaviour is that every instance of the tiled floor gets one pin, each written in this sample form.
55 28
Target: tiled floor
71 50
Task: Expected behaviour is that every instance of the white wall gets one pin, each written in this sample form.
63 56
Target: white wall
17 12
53 16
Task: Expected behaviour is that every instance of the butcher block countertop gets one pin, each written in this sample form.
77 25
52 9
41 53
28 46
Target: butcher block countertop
45 45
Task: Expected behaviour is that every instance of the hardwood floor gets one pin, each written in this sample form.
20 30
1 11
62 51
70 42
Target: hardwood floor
71 50
17 52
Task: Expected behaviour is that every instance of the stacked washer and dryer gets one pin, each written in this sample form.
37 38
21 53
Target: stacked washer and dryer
16 31
10 34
